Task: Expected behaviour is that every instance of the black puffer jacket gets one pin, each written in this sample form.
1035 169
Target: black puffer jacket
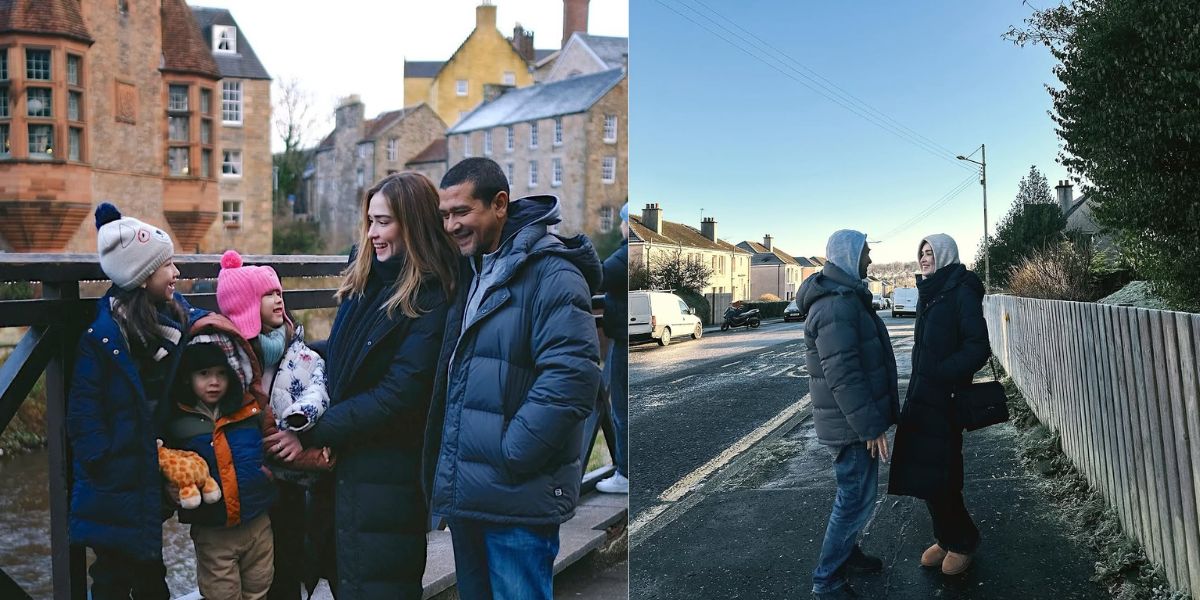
951 345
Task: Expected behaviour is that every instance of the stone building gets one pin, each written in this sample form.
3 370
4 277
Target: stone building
773 271
106 101
244 161
584 54
567 138
430 162
356 154
652 238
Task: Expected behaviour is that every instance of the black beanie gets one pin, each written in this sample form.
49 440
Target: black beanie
203 356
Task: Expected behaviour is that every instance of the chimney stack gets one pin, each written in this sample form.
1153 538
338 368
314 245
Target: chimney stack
485 15
708 228
522 40
349 112
1066 195
767 241
652 218
575 18
491 91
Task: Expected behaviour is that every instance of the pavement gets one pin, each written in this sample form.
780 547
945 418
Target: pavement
753 527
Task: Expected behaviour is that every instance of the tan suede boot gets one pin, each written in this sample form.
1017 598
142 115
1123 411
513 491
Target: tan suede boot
933 556
955 563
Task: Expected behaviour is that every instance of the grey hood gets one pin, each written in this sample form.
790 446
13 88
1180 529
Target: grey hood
844 249
945 250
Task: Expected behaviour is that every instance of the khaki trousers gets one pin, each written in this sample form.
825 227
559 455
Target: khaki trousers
235 562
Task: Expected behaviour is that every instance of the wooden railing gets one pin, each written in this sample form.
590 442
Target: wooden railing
1121 386
55 322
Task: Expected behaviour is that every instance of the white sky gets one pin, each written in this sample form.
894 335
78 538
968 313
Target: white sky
359 46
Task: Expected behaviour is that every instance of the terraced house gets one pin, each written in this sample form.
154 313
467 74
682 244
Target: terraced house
773 271
652 238
113 101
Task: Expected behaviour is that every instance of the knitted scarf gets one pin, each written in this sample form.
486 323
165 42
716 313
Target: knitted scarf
273 344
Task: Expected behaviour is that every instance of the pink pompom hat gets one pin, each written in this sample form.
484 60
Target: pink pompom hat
240 290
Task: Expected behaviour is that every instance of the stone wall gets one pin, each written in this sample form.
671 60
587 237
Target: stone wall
413 133
597 193
254 187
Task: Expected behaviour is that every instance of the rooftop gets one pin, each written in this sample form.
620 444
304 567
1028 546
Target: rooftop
540 101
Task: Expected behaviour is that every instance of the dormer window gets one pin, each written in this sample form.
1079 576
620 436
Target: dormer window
225 39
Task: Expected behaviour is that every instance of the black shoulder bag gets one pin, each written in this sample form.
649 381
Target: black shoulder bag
981 404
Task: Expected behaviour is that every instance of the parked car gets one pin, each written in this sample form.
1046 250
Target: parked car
904 302
878 302
661 316
792 313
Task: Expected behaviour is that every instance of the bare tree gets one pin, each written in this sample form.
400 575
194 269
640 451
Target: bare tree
296 121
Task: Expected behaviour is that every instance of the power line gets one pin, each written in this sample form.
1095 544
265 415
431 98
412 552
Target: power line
932 208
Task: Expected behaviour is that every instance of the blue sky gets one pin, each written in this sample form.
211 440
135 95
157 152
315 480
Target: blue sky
713 128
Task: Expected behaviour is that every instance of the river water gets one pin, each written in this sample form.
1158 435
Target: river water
25 530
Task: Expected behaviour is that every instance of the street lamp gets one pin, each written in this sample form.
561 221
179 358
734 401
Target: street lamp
987 261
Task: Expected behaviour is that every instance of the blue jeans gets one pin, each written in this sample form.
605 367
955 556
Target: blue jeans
506 562
857 488
616 373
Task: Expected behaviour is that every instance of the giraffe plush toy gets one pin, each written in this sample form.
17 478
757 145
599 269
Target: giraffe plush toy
187 475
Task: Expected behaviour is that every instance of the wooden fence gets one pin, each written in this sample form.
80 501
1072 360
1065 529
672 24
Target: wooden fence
1121 386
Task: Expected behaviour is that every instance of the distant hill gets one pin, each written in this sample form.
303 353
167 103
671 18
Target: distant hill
899 273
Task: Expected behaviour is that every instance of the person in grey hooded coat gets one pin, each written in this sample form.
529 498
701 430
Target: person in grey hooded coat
854 399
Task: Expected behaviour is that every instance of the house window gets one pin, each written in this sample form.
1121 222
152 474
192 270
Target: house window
231 212
41 141
231 163
487 142
556 173
533 173
610 129
511 137
3 64
608 169
533 135
360 178
231 102
510 78
177 98
460 87
37 64
393 148
467 145
606 219
75 106
206 163
73 69
364 151
224 39
4 102
205 131
205 102
38 102
75 144
558 131
178 129
177 158
508 170
5 150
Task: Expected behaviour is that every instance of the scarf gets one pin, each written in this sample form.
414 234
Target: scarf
272 345
930 287
357 318
149 355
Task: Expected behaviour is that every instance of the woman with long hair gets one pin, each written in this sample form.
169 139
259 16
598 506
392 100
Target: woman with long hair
951 344
381 358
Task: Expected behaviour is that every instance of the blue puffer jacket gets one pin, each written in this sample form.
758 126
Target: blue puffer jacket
116 498
505 429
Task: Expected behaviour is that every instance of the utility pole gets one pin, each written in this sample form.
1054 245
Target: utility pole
987 259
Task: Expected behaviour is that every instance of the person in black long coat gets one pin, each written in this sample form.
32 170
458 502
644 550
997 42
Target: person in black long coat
951 345
381 359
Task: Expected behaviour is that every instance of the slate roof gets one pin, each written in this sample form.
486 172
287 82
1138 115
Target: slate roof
677 234
540 55
614 51
818 260
437 151
374 126
540 101
422 68
184 49
54 17
774 255
242 65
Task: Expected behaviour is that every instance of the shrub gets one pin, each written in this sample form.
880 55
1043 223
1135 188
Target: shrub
699 302
639 277
769 297
296 237
767 310
1061 272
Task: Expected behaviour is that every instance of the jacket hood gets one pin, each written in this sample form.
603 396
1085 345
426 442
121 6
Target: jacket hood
217 329
831 280
844 249
525 235
542 209
945 250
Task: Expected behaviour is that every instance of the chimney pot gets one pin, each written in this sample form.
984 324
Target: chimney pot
485 15
708 228
652 218
768 242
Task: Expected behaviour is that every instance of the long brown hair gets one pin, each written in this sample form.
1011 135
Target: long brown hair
137 316
430 254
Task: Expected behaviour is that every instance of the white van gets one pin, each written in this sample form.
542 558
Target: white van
661 316
904 302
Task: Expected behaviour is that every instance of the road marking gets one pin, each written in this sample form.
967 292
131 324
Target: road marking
730 364
691 480
646 516
685 377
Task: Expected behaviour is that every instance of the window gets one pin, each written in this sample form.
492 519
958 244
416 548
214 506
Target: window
364 151
4 102
393 148
360 178
467 145
205 101
558 131
460 87
224 39
205 131
487 142
511 137
508 170
177 159
177 98
231 212
510 78
5 150
177 129
75 106
37 64
556 173
75 144
206 163
73 69
608 169
533 173
231 164
606 219
231 102
610 129
533 135
39 102
4 64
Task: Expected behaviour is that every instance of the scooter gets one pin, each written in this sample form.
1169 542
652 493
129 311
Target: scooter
737 318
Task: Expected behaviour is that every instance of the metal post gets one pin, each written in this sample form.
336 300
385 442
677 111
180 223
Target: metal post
987 258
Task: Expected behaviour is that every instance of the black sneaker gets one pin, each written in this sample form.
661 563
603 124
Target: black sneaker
861 563
843 593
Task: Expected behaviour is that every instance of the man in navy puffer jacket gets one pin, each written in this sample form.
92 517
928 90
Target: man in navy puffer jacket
518 376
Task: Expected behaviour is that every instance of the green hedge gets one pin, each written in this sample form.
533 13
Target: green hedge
768 310
698 302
